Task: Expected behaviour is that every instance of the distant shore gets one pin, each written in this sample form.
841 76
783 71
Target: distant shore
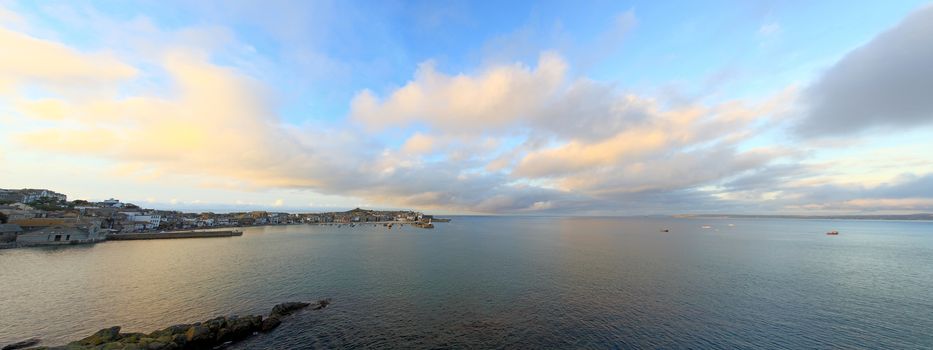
901 217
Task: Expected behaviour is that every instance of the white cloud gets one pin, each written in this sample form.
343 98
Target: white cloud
25 59
496 98
419 144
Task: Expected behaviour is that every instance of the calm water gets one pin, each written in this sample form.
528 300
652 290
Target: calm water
502 282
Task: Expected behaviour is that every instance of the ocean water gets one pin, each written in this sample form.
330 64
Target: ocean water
502 282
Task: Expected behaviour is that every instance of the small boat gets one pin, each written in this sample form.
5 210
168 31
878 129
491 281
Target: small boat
665 230
707 226
832 233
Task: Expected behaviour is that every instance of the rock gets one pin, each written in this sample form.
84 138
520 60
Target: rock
180 339
102 336
170 330
131 337
215 324
284 309
215 333
163 339
198 336
222 335
156 345
111 346
321 304
239 328
22 344
270 323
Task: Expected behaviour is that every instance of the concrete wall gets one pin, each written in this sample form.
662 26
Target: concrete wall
65 235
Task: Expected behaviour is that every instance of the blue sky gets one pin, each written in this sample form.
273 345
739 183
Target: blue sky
474 107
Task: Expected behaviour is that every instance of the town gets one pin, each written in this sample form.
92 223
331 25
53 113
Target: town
38 217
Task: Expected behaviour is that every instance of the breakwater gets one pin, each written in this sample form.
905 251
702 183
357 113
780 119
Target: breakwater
210 334
172 235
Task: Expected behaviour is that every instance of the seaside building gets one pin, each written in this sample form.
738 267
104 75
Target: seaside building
54 231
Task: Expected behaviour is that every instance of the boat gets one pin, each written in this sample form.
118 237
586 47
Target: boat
665 230
707 226
832 233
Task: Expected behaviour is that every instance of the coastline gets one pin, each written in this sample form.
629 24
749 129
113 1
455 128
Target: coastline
214 333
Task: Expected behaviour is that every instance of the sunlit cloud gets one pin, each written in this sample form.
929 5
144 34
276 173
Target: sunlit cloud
195 106
52 65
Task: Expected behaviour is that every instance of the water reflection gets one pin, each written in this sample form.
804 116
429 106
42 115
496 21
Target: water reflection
483 282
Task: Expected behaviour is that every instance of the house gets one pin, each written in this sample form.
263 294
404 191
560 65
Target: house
18 211
31 195
136 221
10 195
28 195
22 206
111 203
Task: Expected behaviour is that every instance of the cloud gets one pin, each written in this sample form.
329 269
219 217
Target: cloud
217 124
508 137
664 149
10 19
581 140
26 59
496 98
803 188
909 193
884 83
419 144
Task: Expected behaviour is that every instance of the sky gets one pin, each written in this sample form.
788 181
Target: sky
473 107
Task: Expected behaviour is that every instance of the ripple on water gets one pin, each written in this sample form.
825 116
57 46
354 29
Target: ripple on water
481 282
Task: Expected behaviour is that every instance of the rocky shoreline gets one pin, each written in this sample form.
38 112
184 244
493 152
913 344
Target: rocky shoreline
215 333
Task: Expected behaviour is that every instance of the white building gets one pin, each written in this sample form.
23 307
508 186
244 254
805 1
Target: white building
112 203
137 221
28 195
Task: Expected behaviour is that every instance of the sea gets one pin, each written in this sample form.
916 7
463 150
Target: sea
501 282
